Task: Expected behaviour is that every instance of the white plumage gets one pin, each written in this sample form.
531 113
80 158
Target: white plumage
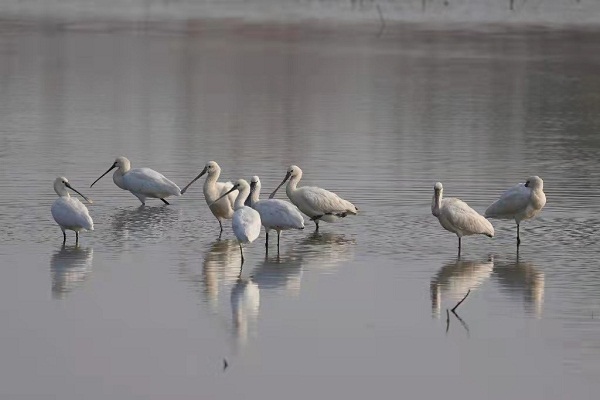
520 202
141 182
68 212
318 204
457 217
246 220
213 190
274 214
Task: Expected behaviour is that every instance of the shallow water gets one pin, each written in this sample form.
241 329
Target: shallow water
150 304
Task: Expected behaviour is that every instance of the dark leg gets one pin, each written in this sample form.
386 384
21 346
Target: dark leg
518 237
220 225
64 237
459 246
317 224
76 238
242 253
164 201
278 235
267 240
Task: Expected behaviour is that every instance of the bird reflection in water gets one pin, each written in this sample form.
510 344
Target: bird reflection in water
245 302
521 280
455 279
142 224
220 267
324 250
69 268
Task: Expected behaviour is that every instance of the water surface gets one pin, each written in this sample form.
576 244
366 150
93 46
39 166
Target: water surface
151 302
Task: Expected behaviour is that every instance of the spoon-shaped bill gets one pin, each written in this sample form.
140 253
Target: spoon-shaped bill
110 169
224 194
67 184
287 176
193 180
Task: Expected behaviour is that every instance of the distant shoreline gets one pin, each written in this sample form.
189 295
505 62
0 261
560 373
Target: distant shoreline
547 13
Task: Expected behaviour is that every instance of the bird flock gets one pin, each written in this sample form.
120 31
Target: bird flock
248 212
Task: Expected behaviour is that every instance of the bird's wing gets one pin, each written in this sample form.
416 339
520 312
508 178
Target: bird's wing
512 202
148 182
274 212
326 202
246 221
463 217
71 212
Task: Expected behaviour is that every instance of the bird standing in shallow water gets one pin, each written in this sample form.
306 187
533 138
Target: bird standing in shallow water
274 214
520 202
457 217
246 220
141 182
213 190
68 212
318 204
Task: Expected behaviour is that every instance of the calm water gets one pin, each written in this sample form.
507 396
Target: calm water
150 303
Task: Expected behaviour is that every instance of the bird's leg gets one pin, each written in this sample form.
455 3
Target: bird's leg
242 253
278 235
64 237
220 226
267 241
518 237
76 238
459 245
317 225
164 201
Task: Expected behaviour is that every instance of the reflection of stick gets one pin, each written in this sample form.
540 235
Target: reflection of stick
447 320
463 323
460 302
381 19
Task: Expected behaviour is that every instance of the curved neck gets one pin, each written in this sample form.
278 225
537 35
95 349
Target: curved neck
61 191
212 177
436 202
292 184
255 196
241 198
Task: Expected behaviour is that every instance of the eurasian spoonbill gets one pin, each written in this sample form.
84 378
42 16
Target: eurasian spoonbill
222 209
457 217
274 214
141 182
318 204
520 202
69 212
246 220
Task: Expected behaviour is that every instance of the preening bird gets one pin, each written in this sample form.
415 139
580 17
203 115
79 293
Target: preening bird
318 204
141 182
520 202
68 212
274 213
457 217
223 208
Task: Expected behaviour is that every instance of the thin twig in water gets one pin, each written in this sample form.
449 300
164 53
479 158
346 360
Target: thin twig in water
463 323
381 19
447 320
460 302
225 364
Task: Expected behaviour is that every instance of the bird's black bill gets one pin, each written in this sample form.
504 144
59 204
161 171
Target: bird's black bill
76 191
223 195
110 169
193 180
287 176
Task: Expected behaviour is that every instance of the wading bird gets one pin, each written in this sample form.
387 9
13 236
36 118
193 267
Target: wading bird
68 212
520 202
246 220
318 204
274 214
221 209
457 217
141 182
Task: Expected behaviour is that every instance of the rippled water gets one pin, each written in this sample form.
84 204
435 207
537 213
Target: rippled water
150 304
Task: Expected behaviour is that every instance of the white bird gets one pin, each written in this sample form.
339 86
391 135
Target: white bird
318 204
221 209
69 212
274 214
520 202
457 217
141 182
246 220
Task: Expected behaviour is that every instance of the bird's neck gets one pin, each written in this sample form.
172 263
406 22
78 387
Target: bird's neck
255 196
436 202
292 184
241 198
